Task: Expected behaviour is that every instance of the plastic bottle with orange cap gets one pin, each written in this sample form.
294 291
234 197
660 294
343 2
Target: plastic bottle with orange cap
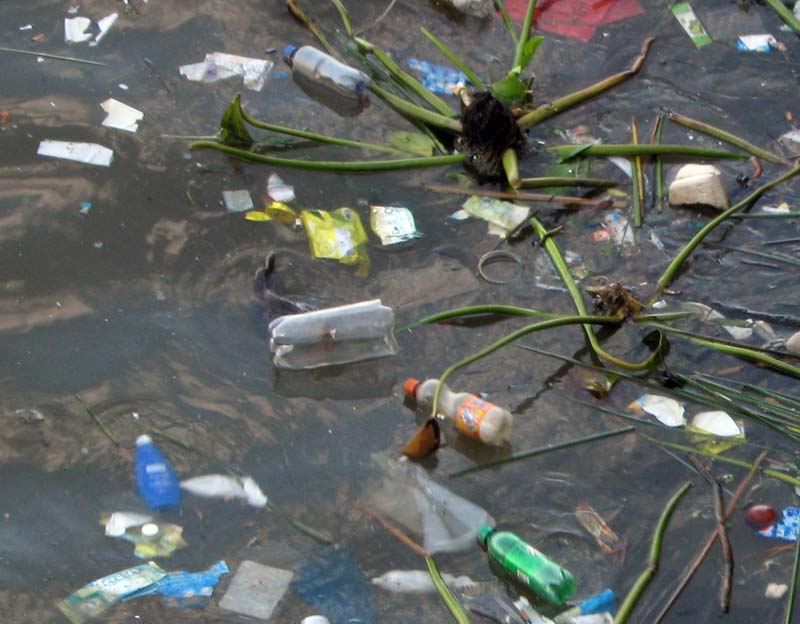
471 415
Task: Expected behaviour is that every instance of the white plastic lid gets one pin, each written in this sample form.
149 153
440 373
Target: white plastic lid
315 619
143 439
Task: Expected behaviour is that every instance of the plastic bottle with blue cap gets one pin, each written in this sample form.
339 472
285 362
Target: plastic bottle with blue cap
156 481
329 81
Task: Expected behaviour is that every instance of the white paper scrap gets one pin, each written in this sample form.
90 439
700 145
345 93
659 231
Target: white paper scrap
75 29
89 153
121 116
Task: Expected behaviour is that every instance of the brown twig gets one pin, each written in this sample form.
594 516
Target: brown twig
389 526
539 197
725 543
712 538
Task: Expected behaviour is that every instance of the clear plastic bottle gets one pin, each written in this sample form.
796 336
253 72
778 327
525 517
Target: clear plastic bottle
523 562
471 415
156 481
329 81
349 333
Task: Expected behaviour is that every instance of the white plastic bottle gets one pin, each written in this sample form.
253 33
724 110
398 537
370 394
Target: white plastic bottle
317 69
471 415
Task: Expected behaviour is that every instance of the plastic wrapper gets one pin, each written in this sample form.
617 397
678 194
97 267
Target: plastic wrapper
88 153
151 539
93 599
502 214
185 589
219 66
393 224
684 13
419 582
349 333
337 235
439 79
787 528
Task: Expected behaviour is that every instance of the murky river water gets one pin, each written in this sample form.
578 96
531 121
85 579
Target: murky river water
144 307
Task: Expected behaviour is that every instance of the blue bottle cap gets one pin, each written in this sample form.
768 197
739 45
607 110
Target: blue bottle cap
288 53
600 603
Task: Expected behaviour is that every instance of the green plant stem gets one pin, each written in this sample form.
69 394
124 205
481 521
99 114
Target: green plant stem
775 474
768 215
547 182
674 267
722 135
524 36
537 197
473 77
511 167
656 139
583 319
319 138
322 165
639 188
635 200
412 83
301 16
644 149
348 27
56 57
793 586
786 15
566 277
546 111
416 112
758 254
477 310
750 354
303 528
512 31
652 566
447 596
106 431
540 451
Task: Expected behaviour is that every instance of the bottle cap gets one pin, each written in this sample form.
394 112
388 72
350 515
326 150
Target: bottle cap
288 54
483 534
143 439
410 387
603 601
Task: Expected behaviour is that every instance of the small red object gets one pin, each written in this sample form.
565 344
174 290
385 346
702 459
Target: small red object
410 387
759 517
4 118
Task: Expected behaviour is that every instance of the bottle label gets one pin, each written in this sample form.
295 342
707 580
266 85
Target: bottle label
470 416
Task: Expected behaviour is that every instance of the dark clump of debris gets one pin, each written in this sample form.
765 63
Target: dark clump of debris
489 129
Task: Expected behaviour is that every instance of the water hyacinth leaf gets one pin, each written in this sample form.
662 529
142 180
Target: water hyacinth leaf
411 142
510 89
667 411
528 50
232 130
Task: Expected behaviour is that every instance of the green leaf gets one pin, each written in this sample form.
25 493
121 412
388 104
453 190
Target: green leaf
232 130
528 50
411 142
510 89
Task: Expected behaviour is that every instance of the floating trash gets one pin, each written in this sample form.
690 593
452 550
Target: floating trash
121 116
87 153
278 190
226 487
756 43
185 589
503 215
667 411
717 423
439 79
337 235
219 66
256 590
93 599
594 524
787 528
237 201
419 582
393 224
151 539
759 517
691 24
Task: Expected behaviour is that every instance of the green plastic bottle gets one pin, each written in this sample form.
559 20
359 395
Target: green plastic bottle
527 565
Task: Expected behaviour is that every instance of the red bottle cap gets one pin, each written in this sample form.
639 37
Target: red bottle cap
410 387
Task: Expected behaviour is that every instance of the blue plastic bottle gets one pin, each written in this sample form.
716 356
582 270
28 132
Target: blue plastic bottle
156 481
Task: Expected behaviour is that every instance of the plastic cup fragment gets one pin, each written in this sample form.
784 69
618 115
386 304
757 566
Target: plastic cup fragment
717 423
237 201
667 411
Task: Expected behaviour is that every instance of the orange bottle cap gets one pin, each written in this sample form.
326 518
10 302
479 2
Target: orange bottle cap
410 387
